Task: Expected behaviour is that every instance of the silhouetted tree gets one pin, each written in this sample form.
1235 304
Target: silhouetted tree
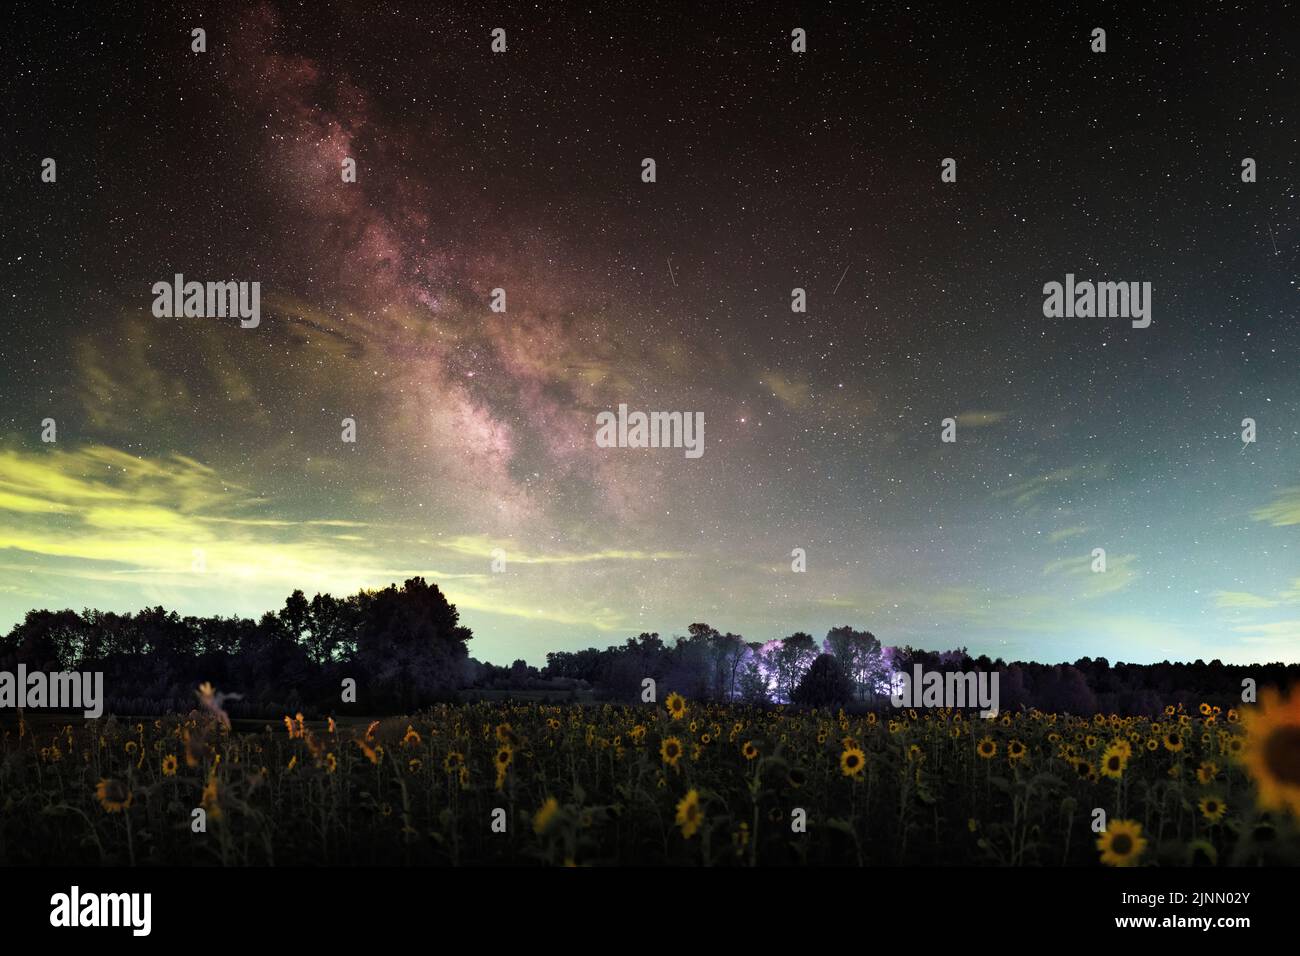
824 685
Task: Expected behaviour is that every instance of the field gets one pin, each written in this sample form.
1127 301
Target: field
676 783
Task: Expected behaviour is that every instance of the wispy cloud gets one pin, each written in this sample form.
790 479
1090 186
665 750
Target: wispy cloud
1029 491
1283 510
1243 599
977 419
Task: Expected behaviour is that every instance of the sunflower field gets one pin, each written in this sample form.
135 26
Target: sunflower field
679 783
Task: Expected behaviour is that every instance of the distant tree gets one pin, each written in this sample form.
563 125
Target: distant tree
824 685
860 658
752 685
411 646
790 659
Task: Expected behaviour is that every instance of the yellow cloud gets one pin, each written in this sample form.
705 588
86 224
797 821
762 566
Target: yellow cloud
793 394
979 419
482 547
1284 510
1242 599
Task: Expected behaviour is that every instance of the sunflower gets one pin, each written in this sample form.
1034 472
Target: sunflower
544 816
209 801
1016 751
671 751
1272 749
676 704
453 762
1173 741
371 753
331 763
1113 762
749 750
689 814
1212 808
412 736
1122 843
1123 746
1083 769
1153 743
1090 741
504 756
169 764
1207 771
987 748
113 795
414 764
852 761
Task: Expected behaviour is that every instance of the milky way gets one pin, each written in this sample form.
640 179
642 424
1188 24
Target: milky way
200 465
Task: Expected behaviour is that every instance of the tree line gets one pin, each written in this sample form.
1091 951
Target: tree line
405 648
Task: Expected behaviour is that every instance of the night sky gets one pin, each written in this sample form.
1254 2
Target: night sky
188 438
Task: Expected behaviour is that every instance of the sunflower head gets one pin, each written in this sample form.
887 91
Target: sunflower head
1271 750
113 795
1212 808
852 762
1122 843
690 814
670 751
1113 762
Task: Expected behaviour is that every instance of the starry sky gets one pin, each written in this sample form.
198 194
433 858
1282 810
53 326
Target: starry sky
775 170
